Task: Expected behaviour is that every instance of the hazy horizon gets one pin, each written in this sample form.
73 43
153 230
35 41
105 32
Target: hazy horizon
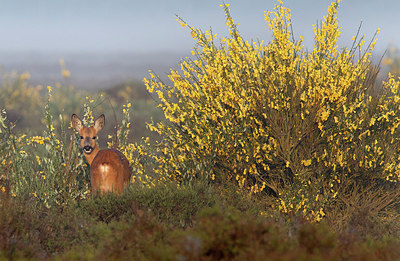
126 38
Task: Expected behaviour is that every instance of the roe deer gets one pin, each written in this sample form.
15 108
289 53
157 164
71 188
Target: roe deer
109 168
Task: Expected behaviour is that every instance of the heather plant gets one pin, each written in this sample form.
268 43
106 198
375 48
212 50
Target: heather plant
302 126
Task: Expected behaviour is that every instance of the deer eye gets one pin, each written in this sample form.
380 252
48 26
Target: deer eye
81 137
94 137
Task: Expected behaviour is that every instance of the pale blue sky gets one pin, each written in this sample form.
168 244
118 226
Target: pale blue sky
148 26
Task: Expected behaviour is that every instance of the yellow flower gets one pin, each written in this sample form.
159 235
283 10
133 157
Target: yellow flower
25 76
306 162
65 73
62 62
38 160
372 122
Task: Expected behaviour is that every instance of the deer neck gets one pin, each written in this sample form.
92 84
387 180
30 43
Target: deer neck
90 157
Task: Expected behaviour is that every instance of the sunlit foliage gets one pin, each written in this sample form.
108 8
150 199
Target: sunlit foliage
272 117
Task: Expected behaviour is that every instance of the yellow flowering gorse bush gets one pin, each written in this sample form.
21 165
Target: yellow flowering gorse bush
273 117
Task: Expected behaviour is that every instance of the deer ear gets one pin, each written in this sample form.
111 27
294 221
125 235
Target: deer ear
76 122
99 123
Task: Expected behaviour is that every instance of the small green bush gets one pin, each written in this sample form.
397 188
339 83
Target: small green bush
29 230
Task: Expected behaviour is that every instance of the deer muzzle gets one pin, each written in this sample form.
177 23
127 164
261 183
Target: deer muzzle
87 149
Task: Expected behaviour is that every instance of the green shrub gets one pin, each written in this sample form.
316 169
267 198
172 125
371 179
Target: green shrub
169 203
228 234
29 230
108 207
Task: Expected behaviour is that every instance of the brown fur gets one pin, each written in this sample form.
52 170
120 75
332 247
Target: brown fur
109 168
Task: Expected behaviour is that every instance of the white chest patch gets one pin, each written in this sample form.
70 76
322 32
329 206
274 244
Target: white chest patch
104 168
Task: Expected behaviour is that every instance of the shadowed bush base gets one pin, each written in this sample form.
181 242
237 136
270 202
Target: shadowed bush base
196 222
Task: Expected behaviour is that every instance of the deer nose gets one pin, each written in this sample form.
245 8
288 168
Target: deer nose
87 141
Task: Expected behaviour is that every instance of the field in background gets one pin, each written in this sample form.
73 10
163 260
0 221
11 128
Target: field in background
25 102
88 70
